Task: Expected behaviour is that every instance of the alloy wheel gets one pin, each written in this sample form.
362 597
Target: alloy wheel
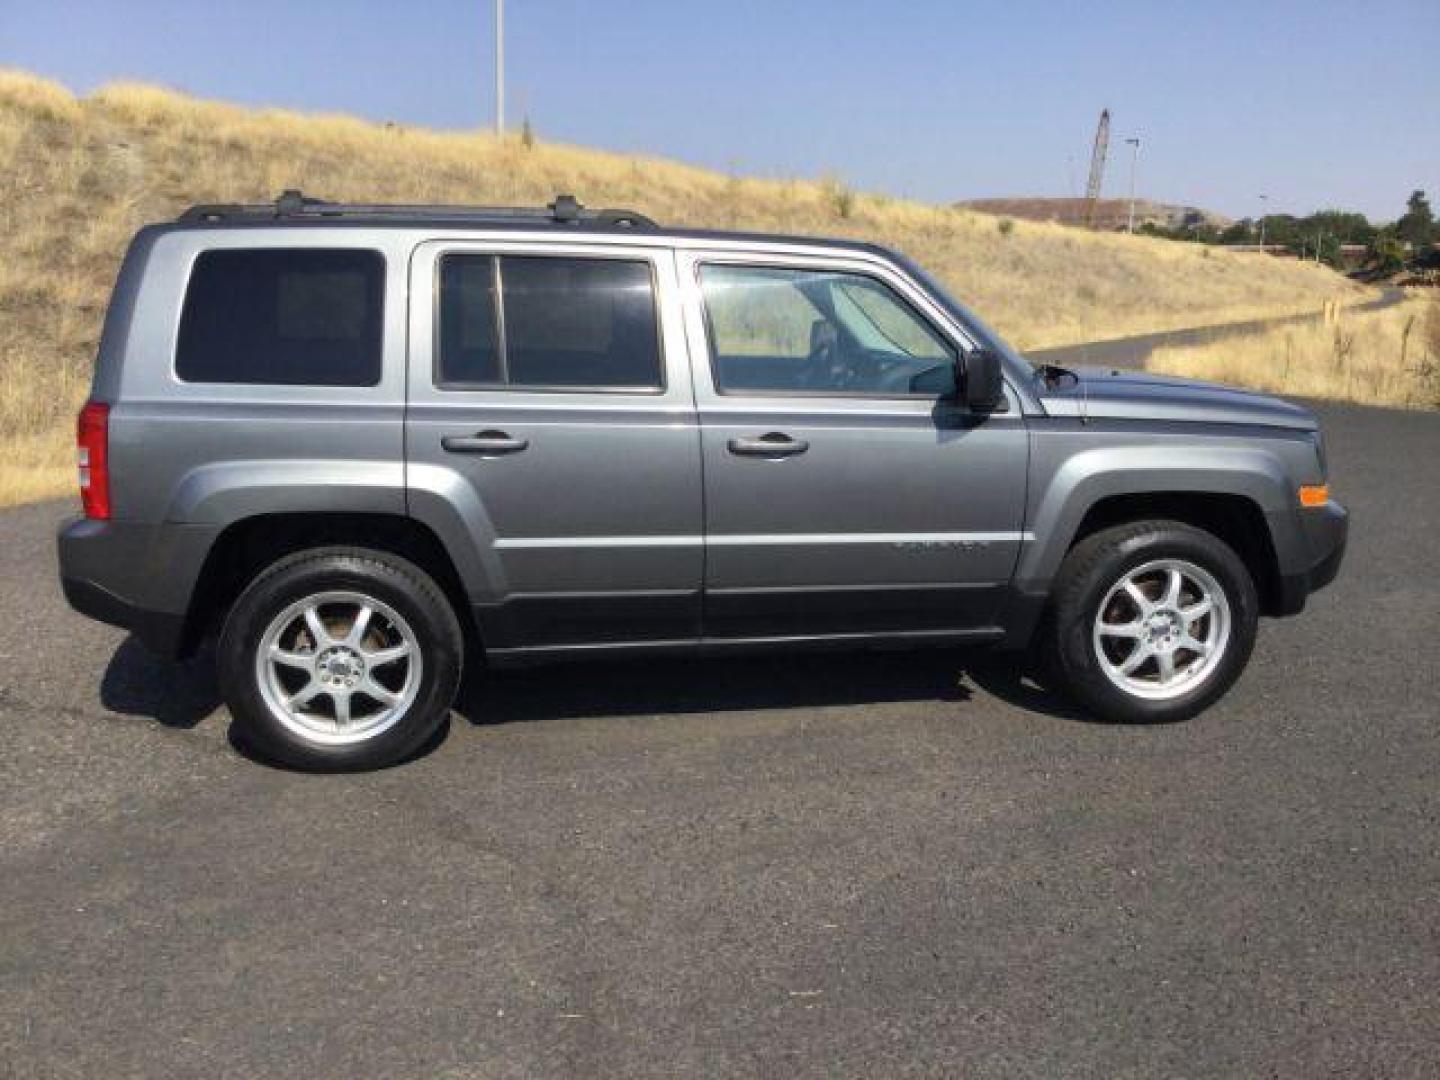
1162 629
338 667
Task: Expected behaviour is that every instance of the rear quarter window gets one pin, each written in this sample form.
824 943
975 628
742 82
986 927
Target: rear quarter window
283 316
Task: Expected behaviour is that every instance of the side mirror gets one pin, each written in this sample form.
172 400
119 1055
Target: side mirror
981 383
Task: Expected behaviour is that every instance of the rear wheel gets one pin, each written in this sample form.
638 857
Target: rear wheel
1150 622
340 658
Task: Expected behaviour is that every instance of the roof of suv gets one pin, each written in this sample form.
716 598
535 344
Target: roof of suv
566 212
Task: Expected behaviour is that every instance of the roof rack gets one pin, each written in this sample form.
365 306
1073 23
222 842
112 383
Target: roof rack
292 204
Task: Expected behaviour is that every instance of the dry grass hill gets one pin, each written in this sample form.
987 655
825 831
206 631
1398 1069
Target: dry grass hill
79 175
1388 357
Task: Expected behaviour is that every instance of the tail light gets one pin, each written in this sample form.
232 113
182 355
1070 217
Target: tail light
92 444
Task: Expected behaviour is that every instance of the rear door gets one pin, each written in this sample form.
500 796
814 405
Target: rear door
847 492
549 398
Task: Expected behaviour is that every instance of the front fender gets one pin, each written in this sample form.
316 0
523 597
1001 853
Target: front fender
1059 504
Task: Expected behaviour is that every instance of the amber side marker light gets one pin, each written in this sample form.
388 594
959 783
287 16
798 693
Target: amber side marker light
1314 495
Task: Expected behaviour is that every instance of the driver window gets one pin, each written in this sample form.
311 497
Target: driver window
777 329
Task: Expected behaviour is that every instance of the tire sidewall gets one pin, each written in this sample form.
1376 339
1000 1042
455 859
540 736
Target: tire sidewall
393 582
1107 564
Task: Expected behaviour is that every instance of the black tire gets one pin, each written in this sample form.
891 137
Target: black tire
408 592
1067 649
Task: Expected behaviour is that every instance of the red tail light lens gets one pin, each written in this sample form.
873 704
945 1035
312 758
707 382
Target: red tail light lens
92 444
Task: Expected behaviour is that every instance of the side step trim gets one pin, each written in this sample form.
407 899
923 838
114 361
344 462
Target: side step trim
615 650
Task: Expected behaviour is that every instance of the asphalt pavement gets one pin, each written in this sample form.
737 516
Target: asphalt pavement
822 866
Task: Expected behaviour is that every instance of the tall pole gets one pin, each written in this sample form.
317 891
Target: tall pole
1097 167
1264 199
500 68
1134 161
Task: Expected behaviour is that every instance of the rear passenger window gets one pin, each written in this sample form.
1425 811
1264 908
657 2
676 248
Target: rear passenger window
289 317
548 323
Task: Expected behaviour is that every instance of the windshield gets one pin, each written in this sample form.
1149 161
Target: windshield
880 321
963 315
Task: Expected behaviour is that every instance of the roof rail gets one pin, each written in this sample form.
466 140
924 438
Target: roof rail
293 204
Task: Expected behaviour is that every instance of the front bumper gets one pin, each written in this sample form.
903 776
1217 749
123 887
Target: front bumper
1324 534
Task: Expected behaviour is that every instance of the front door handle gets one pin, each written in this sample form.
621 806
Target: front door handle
773 444
484 442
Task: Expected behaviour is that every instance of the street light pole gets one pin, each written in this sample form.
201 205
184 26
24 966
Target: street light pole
1264 199
1134 161
500 69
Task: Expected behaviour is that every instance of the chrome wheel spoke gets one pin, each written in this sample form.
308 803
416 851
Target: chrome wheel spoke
359 626
316 626
1135 659
1173 583
302 661
306 694
1197 610
1137 597
381 657
1123 630
372 689
341 698
1165 663
1195 645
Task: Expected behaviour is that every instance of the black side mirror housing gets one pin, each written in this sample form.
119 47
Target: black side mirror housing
981 381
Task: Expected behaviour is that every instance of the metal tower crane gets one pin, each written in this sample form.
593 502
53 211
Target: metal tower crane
1097 167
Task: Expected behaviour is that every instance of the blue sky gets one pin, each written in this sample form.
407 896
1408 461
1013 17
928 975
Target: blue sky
1317 103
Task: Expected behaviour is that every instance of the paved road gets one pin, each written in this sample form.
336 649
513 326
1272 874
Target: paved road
819 867
1132 352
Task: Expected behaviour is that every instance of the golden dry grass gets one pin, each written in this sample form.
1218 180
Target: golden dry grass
79 175
1387 357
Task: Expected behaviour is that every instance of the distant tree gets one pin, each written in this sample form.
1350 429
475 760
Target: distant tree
1329 245
1387 252
1418 223
1284 229
1327 229
1346 226
1239 232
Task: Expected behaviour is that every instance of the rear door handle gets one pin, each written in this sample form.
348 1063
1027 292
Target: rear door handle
772 444
484 442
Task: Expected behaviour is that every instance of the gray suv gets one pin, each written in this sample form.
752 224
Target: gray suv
361 444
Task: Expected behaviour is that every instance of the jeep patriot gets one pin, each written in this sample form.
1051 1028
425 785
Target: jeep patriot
361 446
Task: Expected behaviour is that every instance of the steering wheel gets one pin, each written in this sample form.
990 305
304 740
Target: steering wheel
824 369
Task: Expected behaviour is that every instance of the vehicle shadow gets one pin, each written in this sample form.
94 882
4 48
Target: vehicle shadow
175 694
181 695
738 684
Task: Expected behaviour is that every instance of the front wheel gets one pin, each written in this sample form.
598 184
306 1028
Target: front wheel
1150 622
340 658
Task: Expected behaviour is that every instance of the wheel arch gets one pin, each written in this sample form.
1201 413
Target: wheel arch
1235 519
1240 494
246 546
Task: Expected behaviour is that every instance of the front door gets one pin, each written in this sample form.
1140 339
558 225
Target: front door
846 491
549 397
